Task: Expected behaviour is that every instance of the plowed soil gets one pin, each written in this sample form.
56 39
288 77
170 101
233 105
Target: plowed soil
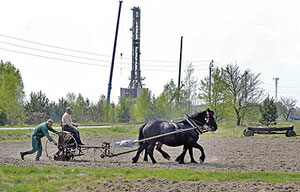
237 154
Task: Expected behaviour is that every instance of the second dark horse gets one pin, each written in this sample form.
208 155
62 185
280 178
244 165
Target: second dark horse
188 138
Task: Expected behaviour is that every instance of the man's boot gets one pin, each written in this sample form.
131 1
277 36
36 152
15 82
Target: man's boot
22 154
37 158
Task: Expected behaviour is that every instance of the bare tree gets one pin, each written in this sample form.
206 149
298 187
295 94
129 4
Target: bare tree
288 105
243 91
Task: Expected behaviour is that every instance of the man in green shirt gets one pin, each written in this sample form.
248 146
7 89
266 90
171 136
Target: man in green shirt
38 133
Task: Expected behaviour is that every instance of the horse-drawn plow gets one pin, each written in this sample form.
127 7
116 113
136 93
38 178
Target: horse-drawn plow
68 149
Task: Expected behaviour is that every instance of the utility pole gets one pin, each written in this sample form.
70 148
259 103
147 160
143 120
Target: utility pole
114 53
276 87
180 62
211 65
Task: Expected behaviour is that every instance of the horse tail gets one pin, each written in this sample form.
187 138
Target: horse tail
141 135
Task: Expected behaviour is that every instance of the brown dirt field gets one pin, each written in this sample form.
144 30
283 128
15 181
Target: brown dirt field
154 185
237 154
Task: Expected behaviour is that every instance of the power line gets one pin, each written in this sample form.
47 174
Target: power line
200 61
87 58
92 53
54 46
78 62
52 52
222 65
280 87
53 58
272 89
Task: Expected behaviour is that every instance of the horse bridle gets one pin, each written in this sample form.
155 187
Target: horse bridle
207 118
198 123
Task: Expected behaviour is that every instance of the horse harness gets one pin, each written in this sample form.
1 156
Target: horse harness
199 127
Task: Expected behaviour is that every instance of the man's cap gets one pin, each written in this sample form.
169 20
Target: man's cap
69 109
50 121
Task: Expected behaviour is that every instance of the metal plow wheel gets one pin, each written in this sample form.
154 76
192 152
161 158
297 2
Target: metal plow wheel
66 149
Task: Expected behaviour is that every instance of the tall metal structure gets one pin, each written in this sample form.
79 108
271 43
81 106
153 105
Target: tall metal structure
276 87
135 78
114 53
180 62
211 65
135 86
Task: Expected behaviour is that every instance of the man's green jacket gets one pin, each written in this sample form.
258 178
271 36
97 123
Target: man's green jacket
42 130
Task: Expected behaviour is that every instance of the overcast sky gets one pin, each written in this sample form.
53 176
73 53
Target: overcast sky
262 35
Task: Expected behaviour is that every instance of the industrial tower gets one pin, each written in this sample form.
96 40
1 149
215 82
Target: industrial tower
135 85
135 78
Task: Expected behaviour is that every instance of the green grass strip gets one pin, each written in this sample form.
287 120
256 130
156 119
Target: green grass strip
119 130
225 130
32 178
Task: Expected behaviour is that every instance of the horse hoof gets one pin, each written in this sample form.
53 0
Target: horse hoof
154 162
181 162
201 161
177 159
194 162
134 160
167 157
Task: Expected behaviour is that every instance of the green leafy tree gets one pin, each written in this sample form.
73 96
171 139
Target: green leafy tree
123 109
79 108
268 110
143 109
296 113
37 108
243 90
219 101
189 91
170 89
71 98
11 93
2 118
162 107
58 109
171 103
174 99
107 110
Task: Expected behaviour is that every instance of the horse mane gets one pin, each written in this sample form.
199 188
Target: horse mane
196 114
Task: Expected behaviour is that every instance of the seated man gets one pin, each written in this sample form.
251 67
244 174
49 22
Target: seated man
38 133
68 125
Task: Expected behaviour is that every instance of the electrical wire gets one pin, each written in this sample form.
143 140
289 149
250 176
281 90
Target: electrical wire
89 53
286 89
53 58
86 58
279 91
82 63
53 52
54 46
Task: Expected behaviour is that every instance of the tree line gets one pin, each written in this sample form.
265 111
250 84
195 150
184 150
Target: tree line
234 95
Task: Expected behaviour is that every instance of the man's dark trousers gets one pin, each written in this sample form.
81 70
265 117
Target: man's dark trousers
75 133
